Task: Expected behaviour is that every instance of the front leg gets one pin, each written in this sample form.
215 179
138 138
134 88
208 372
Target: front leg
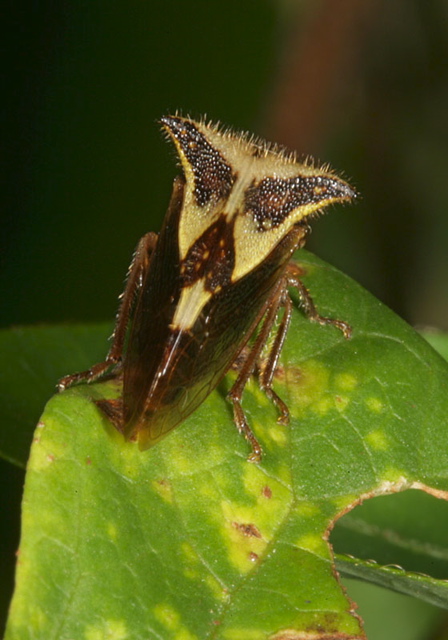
293 273
138 267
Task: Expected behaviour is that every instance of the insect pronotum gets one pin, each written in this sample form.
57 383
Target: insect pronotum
215 277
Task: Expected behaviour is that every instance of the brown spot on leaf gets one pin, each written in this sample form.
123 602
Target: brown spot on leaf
267 492
295 376
249 530
279 373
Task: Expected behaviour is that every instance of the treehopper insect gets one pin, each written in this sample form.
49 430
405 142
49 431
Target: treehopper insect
206 292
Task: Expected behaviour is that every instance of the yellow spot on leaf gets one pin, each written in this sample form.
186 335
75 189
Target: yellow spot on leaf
163 487
254 481
345 381
218 591
112 531
190 563
378 440
395 478
38 620
269 493
309 384
307 510
342 502
374 404
171 620
184 634
191 574
284 474
167 615
125 456
39 459
313 543
107 630
341 402
323 406
189 553
279 435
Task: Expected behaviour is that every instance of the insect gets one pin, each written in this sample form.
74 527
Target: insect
207 291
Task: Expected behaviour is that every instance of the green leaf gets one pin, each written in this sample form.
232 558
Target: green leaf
438 340
189 540
392 577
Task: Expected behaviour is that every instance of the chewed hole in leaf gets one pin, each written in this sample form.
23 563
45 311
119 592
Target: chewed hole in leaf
407 529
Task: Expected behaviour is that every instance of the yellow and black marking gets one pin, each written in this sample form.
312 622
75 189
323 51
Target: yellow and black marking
261 191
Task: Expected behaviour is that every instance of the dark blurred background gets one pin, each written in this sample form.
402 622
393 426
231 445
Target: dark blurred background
362 85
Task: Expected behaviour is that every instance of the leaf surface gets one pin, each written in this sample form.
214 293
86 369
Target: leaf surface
189 540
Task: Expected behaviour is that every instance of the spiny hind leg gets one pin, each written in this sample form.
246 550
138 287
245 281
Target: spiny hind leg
267 317
268 366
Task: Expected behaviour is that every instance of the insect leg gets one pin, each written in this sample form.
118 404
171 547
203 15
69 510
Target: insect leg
269 366
293 273
236 392
138 267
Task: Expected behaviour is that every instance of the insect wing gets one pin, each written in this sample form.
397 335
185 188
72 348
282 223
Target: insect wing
153 311
189 363
232 226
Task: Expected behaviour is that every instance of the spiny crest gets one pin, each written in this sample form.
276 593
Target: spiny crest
248 141
251 144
